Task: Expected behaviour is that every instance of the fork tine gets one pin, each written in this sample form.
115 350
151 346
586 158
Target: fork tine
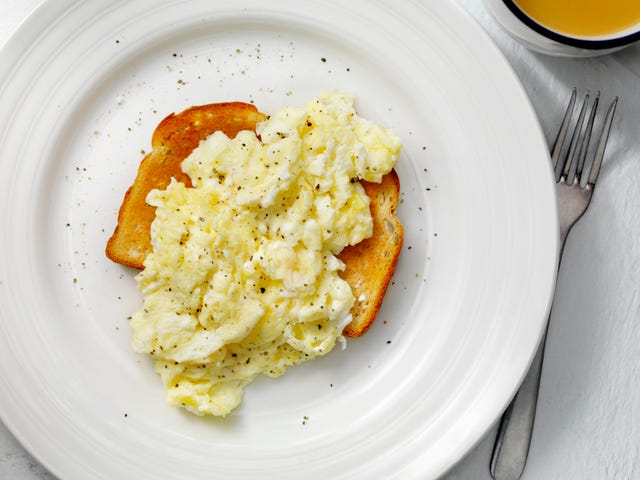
562 133
584 145
602 143
562 169
513 439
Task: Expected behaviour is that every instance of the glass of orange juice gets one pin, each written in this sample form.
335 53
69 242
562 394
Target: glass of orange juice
569 27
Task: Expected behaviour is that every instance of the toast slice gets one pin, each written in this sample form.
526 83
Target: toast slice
173 140
369 264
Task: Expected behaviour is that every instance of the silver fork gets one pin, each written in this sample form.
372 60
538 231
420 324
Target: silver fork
575 182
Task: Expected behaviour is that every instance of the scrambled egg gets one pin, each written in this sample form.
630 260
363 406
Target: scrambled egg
243 279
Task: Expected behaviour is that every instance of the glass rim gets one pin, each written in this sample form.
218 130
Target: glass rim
578 42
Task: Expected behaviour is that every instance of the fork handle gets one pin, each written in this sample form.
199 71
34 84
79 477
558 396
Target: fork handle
516 426
514 434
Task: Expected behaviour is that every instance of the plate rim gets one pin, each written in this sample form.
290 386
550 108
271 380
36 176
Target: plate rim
48 7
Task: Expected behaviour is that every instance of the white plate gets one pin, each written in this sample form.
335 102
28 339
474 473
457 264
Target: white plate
84 85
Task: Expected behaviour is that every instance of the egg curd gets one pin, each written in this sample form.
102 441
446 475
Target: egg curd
243 279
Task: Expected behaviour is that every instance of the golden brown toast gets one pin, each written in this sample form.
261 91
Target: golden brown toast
173 140
369 264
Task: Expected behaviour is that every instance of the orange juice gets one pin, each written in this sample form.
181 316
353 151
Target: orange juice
583 18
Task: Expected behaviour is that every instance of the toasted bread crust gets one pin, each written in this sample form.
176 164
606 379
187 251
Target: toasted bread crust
369 264
173 140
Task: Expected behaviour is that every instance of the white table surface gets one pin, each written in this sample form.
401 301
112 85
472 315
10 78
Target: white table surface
588 422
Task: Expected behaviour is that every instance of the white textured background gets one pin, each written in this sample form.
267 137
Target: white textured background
588 423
